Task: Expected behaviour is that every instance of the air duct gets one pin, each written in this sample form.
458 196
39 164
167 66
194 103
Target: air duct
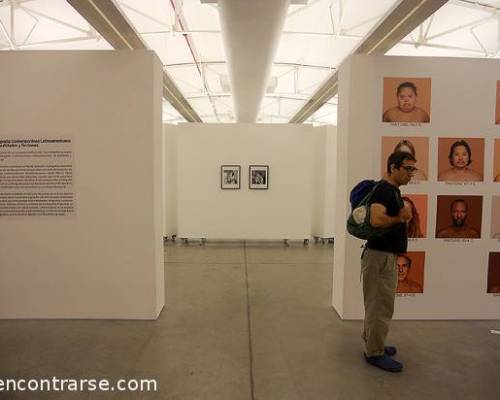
251 31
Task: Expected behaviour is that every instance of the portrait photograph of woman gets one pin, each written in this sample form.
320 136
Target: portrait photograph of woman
407 100
461 159
417 225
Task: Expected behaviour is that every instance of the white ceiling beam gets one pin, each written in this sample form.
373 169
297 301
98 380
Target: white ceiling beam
276 64
343 35
475 5
6 34
402 19
32 14
143 14
107 19
472 24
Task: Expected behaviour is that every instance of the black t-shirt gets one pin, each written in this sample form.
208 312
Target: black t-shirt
396 240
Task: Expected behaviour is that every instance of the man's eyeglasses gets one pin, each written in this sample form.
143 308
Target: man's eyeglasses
409 169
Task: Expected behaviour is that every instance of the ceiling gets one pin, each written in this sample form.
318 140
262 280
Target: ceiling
315 38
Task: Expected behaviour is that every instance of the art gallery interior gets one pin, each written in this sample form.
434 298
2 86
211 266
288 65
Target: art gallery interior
174 189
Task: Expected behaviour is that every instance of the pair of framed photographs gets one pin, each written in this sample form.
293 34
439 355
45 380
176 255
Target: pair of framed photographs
258 177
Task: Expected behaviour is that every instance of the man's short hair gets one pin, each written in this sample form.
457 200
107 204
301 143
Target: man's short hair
456 144
397 158
459 201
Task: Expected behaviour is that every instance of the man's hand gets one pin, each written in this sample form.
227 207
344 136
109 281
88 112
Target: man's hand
379 218
405 213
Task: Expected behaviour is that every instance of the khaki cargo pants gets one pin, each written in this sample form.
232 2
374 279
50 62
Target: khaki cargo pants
380 279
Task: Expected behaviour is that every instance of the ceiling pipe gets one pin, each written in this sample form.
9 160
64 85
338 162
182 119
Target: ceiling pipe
251 31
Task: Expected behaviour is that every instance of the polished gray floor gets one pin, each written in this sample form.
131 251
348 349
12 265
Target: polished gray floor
249 321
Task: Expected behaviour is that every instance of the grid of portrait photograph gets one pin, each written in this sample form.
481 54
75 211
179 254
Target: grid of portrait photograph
458 216
447 164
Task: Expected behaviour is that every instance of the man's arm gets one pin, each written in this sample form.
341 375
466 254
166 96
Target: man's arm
379 218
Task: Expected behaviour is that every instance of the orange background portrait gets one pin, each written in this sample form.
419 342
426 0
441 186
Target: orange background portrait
420 201
497 113
476 148
496 159
421 145
495 215
416 272
494 273
474 213
423 93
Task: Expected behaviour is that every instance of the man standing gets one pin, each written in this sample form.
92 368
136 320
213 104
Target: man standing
458 227
379 259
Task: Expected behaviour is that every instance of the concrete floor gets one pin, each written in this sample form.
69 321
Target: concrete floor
253 321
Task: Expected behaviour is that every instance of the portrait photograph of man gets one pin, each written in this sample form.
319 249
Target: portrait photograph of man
494 273
406 100
459 217
411 272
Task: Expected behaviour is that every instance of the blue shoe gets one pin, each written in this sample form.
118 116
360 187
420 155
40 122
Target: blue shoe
390 351
385 362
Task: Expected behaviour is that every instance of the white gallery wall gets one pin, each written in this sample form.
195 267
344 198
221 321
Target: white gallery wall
293 207
105 260
170 183
462 106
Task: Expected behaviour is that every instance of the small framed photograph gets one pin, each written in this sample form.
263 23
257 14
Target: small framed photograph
230 176
258 176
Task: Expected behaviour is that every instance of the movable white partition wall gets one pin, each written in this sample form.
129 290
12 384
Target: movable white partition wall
462 106
298 203
105 260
